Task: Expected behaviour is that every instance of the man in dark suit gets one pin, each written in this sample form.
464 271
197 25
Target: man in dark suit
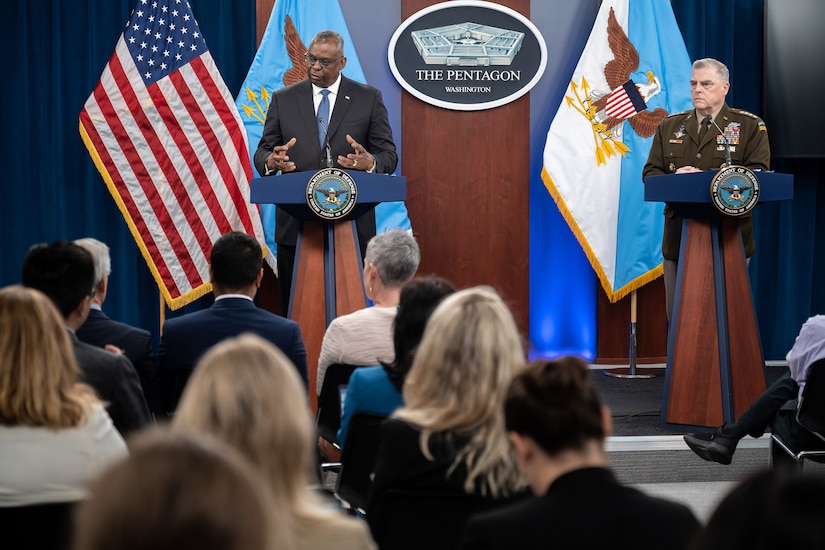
557 426
101 331
235 269
65 273
317 122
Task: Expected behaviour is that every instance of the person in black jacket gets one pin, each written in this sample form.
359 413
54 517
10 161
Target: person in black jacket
65 273
557 427
102 331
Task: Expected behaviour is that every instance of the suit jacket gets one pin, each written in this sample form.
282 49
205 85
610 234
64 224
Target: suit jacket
359 111
585 509
676 144
136 343
185 339
116 382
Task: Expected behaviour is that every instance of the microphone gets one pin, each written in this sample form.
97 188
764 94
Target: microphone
727 143
327 159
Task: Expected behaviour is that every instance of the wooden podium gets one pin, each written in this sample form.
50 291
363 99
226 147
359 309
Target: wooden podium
327 279
715 367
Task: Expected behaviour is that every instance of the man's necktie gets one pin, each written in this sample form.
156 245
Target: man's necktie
323 118
703 129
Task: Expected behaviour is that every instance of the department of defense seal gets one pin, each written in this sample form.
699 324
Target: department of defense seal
734 191
331 193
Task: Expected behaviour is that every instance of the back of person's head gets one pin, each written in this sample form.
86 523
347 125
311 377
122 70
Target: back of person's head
468 354
61 270
770 509
246 392
100 255
395 255
418 299
176 492
235 261
554 403
38 370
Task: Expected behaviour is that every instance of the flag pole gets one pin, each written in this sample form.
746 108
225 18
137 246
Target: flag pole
631 371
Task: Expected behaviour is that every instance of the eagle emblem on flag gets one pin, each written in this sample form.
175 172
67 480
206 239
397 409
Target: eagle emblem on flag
626 101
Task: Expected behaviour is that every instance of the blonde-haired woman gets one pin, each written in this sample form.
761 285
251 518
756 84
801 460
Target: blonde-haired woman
55 435
246 392
450 437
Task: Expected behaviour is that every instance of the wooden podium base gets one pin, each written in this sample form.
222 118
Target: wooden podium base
715 368
328 264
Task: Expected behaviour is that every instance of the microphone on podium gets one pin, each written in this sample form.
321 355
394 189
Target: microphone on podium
727 143
327 159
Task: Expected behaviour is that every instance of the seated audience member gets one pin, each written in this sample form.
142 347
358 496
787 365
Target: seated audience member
247 393
55 434
449 437
557 426
99 330
775 408
178 492
769 510
377 390
235 269
65 273
364 337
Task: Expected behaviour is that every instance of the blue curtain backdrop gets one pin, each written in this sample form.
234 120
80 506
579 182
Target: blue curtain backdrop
54 50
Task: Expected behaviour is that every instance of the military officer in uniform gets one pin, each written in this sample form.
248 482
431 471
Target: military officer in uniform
690 142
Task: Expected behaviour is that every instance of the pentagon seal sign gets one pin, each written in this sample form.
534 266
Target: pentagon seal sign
734 191
331 193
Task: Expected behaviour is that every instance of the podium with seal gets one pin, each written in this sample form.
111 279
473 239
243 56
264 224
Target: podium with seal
715 366
327 278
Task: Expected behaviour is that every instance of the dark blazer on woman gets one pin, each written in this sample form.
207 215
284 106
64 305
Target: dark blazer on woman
586 509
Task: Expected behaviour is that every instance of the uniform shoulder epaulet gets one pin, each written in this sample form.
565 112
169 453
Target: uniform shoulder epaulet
683 113
745 113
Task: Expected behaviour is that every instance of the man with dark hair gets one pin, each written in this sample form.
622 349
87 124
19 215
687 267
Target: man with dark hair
102 331
65 273
235 269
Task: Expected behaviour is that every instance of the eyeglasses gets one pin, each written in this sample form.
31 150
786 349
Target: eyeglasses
325 63
706 84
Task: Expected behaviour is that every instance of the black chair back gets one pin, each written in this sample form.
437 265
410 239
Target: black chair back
358 459
329 401
37 527
811 411
412 520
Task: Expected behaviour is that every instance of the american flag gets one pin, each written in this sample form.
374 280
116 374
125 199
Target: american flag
625 101
165 134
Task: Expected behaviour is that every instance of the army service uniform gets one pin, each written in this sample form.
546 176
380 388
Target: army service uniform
676 144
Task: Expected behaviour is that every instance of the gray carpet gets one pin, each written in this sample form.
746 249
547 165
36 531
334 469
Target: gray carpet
636 403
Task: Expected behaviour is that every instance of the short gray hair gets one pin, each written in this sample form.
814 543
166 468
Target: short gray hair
100 255
709 63
395 255
330 36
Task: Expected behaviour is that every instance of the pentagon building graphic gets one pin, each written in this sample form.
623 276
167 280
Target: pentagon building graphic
468 44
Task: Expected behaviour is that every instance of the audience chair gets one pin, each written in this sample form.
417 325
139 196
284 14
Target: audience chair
358 460
329 402
810 414
412 520
37 527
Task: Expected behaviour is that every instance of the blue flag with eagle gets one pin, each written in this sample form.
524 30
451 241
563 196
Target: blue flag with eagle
634 71
280 62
